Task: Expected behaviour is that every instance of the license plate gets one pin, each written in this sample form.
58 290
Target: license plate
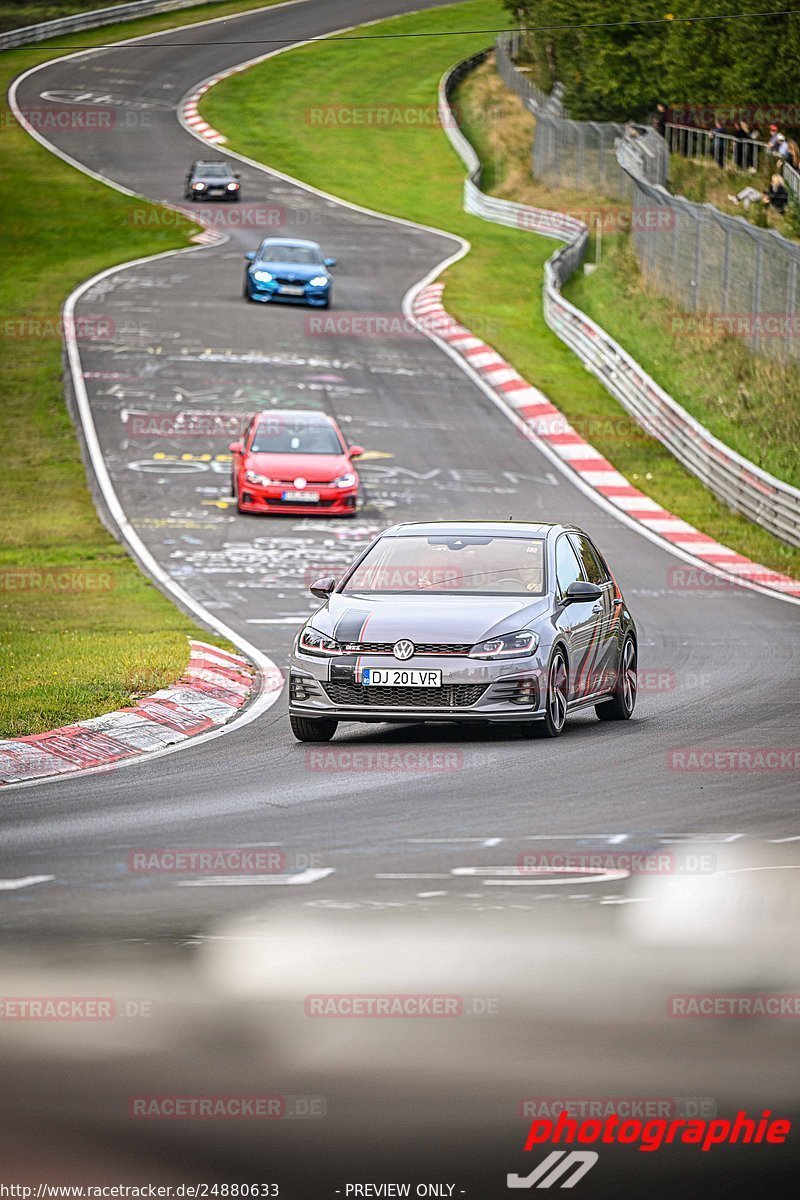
286 290
400 677
301 497
216 191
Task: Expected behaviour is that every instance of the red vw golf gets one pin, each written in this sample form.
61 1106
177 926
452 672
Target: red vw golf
294 462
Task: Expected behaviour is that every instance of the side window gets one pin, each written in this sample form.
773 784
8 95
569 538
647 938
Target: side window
568 569
593 569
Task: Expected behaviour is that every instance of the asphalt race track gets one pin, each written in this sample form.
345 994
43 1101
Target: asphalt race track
722 663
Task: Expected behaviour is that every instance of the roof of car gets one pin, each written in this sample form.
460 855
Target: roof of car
309 416
462 528
277 241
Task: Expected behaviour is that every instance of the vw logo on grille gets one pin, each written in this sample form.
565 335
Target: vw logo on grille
403 649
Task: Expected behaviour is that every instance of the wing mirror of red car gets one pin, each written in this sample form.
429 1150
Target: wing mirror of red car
322 588
235 447
355 451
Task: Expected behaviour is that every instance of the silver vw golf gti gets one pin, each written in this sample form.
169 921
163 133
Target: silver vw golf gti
467 621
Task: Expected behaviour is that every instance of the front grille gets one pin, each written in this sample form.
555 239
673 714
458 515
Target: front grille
302 503
282 279
457 648
451 695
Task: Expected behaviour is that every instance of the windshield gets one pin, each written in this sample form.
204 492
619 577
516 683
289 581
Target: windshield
276 437
214 171
281 252
482 565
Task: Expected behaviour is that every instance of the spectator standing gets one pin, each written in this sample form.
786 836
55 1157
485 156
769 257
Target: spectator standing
718 143
660 119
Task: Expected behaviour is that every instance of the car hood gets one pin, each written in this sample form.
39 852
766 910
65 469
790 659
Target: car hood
425 618
315 468
301 271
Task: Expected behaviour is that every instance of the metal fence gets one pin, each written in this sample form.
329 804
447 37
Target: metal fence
741 484
27 34
729 275
741 278
726 150
580 155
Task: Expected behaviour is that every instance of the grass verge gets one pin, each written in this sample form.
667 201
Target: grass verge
391 167
88 632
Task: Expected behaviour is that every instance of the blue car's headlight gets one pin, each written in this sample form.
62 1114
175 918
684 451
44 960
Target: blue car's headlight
507 645
319 281
311 641
263 276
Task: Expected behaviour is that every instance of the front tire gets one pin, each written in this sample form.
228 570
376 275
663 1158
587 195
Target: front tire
555 709
313 729
624 701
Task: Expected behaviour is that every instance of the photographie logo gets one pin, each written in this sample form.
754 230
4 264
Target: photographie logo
65 1009
237 860
52 580
364 760
83 329
392 325
735 1004
225 215
391 115
66 118
556 1166
719 758
226 1107
747 324
695 579
394 1005
147 425
594 862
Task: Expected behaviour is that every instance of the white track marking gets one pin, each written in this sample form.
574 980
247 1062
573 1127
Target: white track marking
310 875
14 885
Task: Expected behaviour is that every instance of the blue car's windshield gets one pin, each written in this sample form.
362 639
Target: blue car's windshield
214 171
482 565
283 252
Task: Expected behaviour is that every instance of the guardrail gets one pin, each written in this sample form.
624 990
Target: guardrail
741 484
90 20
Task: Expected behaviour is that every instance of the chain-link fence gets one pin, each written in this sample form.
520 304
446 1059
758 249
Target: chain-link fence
727 274
580 155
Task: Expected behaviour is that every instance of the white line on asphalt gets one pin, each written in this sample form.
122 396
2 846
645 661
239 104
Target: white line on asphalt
311 875
13 885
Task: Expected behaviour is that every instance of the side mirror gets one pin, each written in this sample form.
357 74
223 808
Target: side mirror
355 451
235 447
237 174
581 592
322 588
330 262
251 256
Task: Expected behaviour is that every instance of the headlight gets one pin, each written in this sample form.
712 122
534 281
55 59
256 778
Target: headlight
319 281
313 642
254 477
198 187
344 480
233 187
263 276
507 645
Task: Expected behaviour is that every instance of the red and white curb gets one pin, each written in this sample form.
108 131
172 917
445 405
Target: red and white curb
213 688
527 404
190 115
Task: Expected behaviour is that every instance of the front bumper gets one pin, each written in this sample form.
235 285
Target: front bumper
472 690
333 501
269 292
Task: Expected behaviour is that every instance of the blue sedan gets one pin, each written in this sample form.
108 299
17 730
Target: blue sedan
288 270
